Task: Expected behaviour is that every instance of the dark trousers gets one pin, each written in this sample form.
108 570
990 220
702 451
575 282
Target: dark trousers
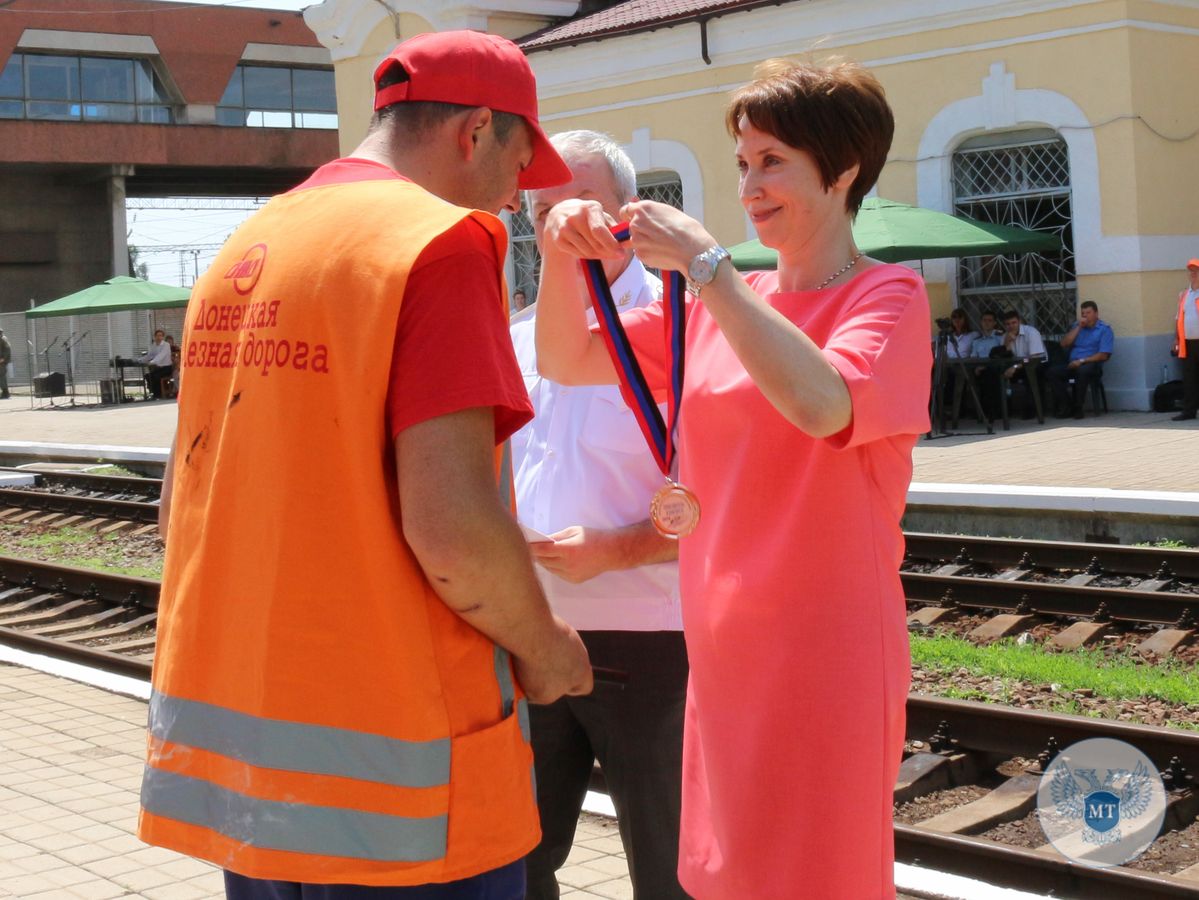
1190 379
635 730
506 883
1059 377
154 376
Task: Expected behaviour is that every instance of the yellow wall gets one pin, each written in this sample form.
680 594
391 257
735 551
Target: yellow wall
1128 82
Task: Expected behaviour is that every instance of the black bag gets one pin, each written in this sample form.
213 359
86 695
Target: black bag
1167 397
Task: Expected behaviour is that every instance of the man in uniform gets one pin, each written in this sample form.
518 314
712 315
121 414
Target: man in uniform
350 622
584 476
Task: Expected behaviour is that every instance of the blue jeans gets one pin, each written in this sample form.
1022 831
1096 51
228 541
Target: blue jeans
505 883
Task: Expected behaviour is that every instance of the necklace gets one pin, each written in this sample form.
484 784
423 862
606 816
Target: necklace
841 271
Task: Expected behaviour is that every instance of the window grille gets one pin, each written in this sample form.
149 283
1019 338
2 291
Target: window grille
526 261
668 191
279 97
82 88
1025 184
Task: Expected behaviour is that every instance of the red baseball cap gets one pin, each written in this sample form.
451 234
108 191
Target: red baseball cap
471 68
1193 263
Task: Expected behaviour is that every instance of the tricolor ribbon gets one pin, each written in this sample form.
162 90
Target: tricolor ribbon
633 388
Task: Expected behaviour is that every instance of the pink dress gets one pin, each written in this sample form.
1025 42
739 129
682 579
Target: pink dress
792 605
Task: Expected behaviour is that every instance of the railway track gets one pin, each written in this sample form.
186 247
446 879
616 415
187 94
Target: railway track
79 498
107 622
1092 591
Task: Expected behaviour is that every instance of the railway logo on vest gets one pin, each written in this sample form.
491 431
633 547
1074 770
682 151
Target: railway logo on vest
248 269
1101 802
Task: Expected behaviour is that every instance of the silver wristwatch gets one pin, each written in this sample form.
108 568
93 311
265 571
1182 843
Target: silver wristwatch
702 269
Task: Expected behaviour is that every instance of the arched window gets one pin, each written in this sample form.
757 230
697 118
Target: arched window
1023 179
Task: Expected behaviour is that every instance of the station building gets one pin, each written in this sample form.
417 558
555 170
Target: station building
1078 117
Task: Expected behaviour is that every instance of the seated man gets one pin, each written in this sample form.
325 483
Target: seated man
988 336
1090 343
1023 345
158 358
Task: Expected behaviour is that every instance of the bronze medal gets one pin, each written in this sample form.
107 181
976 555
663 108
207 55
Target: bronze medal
674 510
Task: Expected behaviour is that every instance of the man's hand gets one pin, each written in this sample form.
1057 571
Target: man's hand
577 554
1075 363
561 668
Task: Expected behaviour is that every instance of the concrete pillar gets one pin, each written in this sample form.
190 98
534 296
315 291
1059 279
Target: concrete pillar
120 230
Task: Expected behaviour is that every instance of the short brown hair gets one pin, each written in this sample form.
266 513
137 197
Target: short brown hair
837 113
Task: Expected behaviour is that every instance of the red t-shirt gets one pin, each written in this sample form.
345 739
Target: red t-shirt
452 350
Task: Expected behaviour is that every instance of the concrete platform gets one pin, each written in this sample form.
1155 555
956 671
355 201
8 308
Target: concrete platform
1120 451
71 760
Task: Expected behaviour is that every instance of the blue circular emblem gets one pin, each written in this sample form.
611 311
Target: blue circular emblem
1101 810
1101 802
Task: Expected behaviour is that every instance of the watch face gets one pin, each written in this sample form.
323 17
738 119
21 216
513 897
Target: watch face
700 270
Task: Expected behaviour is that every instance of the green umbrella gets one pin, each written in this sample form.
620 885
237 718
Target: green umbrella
894 232
114 295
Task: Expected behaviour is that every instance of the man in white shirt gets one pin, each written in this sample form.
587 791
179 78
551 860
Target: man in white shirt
1022 340
584 476
1186 342
158 358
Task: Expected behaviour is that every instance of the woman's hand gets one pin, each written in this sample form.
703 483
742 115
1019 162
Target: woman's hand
664 237
582 229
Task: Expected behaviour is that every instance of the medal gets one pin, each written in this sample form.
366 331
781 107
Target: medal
674 509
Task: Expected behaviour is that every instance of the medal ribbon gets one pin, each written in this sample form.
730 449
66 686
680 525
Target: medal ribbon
633 387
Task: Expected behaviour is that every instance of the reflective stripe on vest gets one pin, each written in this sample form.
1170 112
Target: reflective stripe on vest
297 747
298 827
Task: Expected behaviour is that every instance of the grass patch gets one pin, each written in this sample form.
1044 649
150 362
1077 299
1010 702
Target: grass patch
1118 678
74 547
115 470
1164 544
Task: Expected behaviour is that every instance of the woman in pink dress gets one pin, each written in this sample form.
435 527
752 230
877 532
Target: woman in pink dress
805 391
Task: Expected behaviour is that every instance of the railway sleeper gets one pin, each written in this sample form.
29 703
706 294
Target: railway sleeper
1165 641
1080 634
1001 626
56 613
114 631
145 643
1014 799
21 606
924 772
104 614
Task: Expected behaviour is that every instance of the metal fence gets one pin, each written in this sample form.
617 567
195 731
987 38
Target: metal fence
80 348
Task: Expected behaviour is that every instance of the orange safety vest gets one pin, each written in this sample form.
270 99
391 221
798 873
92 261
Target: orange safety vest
318 714
1179 326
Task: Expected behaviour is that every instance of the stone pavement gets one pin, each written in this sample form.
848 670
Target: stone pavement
70 771
1120 450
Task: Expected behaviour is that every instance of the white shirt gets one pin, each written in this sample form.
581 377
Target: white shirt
1190 315
583 461
158 354
957 346
1028 343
